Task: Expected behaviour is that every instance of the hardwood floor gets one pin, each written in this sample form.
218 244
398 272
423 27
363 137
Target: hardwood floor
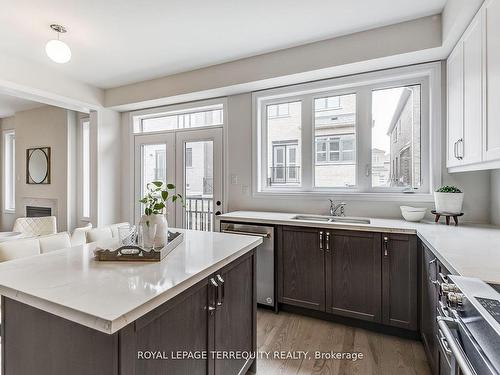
384 355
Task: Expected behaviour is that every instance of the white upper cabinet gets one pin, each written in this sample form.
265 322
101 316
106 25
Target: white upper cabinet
492 129
455 94
470 148
473 89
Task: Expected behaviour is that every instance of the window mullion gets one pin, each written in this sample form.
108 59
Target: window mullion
308 146
363 136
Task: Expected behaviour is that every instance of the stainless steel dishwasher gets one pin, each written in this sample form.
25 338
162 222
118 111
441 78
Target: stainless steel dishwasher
265 258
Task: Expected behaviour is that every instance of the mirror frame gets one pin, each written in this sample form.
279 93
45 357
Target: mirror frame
29 152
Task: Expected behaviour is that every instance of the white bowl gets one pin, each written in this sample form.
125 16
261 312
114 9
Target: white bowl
413 213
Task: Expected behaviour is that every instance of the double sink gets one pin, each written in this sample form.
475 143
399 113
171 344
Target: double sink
332 219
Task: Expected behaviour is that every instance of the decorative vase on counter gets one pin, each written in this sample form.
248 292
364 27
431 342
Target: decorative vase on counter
154 230
449 200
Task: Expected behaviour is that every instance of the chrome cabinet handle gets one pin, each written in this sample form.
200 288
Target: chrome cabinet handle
386 243
444 344
321 240
220 296
212 306
327 242
455 149
460 156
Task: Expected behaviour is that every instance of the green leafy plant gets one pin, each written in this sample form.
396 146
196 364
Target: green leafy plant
157 197
448 189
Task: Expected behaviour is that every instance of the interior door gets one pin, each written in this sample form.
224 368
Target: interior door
199 177
154 161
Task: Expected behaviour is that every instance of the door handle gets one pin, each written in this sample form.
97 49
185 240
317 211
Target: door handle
321 240
386 243
460 156
327 245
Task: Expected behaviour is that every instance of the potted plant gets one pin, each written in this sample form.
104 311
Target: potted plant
449 200
154 223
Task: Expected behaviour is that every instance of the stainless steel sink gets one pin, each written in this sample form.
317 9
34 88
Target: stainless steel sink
332 219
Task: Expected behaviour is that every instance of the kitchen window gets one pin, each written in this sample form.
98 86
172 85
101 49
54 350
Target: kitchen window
85 155
9 168
365 134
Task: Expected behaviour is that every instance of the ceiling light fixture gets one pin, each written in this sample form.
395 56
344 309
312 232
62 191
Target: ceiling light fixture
57 50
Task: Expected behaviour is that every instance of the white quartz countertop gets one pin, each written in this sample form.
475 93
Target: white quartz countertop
107 296
466 250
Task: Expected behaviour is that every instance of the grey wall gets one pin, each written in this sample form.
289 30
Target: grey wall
495 197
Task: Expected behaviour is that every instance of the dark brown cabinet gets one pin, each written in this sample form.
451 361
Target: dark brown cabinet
234 315
302 268
216 315
399 281
428 304
353 273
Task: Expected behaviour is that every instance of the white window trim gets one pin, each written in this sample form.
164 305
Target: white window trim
6 210
83 218
428 74
132 118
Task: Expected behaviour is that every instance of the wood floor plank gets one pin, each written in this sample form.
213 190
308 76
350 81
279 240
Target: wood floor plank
383 354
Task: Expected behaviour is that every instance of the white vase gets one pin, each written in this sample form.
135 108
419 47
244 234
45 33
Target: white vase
450 203
154 230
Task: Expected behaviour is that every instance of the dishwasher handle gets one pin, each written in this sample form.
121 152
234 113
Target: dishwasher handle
263 235
444 325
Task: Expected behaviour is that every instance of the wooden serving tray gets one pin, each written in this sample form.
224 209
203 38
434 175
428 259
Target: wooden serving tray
137 254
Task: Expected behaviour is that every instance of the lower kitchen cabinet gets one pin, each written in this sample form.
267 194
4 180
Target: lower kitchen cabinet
399 281
234 315
428 304
353 273
301 272
218 314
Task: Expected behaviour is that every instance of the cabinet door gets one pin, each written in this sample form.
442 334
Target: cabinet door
455 104
492 133
353 276
471 147
302 265
180 325
235 323
399 280
428 305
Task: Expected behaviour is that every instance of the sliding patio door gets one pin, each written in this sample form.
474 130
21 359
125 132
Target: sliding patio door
192 161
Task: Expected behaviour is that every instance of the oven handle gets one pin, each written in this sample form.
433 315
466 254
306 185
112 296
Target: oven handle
444 324
263 235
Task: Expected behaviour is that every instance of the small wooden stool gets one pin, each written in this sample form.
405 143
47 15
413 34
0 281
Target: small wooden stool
447 217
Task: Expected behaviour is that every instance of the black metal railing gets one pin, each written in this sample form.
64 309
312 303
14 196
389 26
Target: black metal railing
199 213
284 175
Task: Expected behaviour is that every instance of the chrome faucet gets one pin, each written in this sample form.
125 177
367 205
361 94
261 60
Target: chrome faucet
336 207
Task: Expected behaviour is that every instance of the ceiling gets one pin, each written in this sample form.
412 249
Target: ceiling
115 42
11 104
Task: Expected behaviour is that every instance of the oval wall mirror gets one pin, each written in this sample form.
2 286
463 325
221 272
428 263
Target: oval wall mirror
38 165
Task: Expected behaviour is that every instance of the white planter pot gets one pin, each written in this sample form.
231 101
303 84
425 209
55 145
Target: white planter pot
450 203
154 230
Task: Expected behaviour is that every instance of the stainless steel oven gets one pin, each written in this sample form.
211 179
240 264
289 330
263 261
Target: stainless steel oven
265 258
469 326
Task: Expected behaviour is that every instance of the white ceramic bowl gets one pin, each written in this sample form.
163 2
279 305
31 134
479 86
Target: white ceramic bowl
413 213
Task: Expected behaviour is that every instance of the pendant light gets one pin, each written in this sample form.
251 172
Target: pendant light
56 49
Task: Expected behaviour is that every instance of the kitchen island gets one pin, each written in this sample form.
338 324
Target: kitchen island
193 313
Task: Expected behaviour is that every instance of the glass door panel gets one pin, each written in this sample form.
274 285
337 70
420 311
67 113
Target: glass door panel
199 157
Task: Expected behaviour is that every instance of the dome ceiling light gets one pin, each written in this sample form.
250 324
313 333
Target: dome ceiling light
56 49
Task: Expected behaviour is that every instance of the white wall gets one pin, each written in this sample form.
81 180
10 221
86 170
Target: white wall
109 166
495 197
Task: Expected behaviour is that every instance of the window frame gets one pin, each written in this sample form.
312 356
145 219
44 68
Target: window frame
9 155
428 75
85 179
